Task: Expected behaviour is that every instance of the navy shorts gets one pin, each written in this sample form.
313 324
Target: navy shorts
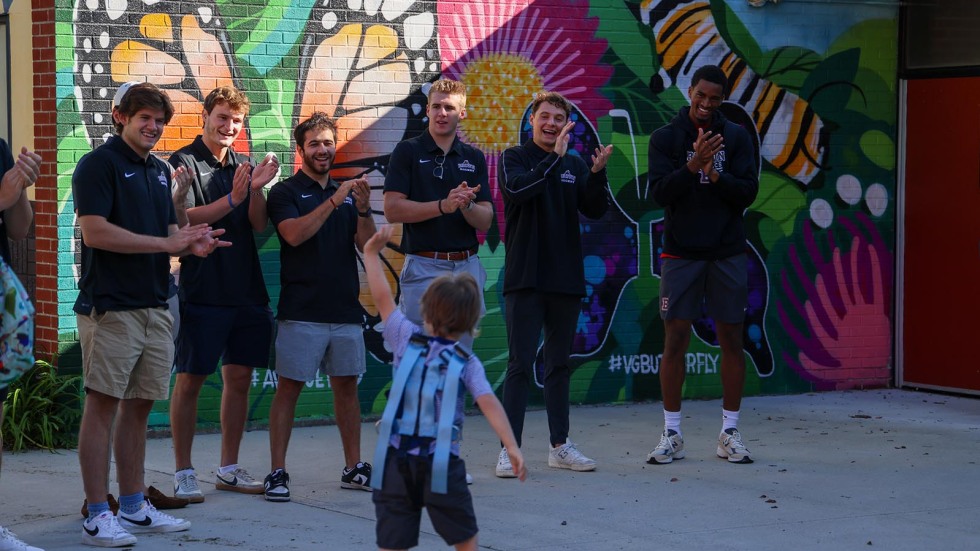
407 488
689 289
237 335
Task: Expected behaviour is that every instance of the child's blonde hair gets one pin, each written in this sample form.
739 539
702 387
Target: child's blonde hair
451 304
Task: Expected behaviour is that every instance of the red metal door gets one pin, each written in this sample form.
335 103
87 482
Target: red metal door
941 291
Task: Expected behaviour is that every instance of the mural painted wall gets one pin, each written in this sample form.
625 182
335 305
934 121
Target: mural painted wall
816 81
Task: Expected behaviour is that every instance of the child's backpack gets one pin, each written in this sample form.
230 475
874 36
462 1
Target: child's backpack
411 408
16 327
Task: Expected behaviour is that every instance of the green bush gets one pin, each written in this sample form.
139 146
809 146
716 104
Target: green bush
42 410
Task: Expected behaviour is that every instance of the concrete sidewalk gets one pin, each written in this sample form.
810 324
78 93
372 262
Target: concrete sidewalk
886 469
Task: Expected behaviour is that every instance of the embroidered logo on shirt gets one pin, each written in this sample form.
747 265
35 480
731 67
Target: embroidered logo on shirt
467 166
163 180
306 196
422 161
567 177
129 174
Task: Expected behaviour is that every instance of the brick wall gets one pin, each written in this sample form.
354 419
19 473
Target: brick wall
369 67
46 195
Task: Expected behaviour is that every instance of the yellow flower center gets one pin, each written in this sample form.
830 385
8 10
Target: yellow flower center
499 87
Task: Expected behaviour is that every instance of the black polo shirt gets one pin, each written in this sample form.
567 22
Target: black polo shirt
230 276
319 277
114 182
410 171
6 163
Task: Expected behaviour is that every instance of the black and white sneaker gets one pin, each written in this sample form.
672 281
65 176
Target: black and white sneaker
149 520
104 531
358 478
277 486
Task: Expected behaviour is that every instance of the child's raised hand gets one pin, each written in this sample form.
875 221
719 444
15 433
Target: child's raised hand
378 241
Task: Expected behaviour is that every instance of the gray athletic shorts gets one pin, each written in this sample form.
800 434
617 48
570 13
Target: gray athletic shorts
689 289
333 349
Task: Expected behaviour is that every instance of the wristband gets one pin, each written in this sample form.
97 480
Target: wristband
439 204
230 202
365 214
332 202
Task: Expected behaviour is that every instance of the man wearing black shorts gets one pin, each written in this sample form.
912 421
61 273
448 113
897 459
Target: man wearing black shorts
320 319
703 173
224 305
16 215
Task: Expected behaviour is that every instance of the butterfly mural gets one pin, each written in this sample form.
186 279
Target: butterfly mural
609 249
368 68
792 137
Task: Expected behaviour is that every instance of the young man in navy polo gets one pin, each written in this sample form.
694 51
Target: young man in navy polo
129 231
545 189
319 222
224 305
437 188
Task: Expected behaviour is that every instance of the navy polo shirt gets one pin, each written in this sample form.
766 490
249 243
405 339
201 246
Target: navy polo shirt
6 163
230 276
410 171
319 277
114 182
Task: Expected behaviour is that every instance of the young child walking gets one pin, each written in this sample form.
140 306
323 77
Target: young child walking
418 449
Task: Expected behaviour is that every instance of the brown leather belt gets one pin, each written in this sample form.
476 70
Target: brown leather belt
454 256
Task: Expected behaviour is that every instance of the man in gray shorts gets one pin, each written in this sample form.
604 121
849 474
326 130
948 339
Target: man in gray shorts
319 222
437 187
703 173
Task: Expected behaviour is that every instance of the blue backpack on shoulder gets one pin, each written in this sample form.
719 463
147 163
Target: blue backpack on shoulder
411 408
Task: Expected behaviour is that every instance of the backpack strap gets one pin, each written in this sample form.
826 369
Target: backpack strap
447 412
418 347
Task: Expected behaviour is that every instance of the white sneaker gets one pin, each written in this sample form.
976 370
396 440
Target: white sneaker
10 542
469 478
671 447
185 486
105 531
504 468
238 481
567 456
148 519
730 447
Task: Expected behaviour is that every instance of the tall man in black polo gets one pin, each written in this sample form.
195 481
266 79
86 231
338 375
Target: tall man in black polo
319 222
544 190
224 303
128 224
437 188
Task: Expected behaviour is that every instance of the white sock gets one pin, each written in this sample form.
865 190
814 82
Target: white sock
729 419
672 421
227 468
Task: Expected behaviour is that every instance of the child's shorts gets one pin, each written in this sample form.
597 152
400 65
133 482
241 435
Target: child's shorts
407 488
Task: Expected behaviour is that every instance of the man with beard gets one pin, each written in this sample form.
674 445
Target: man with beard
319 221
224 304
703 174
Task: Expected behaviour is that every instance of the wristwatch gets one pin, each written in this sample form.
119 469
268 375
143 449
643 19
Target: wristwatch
365 214
471 205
